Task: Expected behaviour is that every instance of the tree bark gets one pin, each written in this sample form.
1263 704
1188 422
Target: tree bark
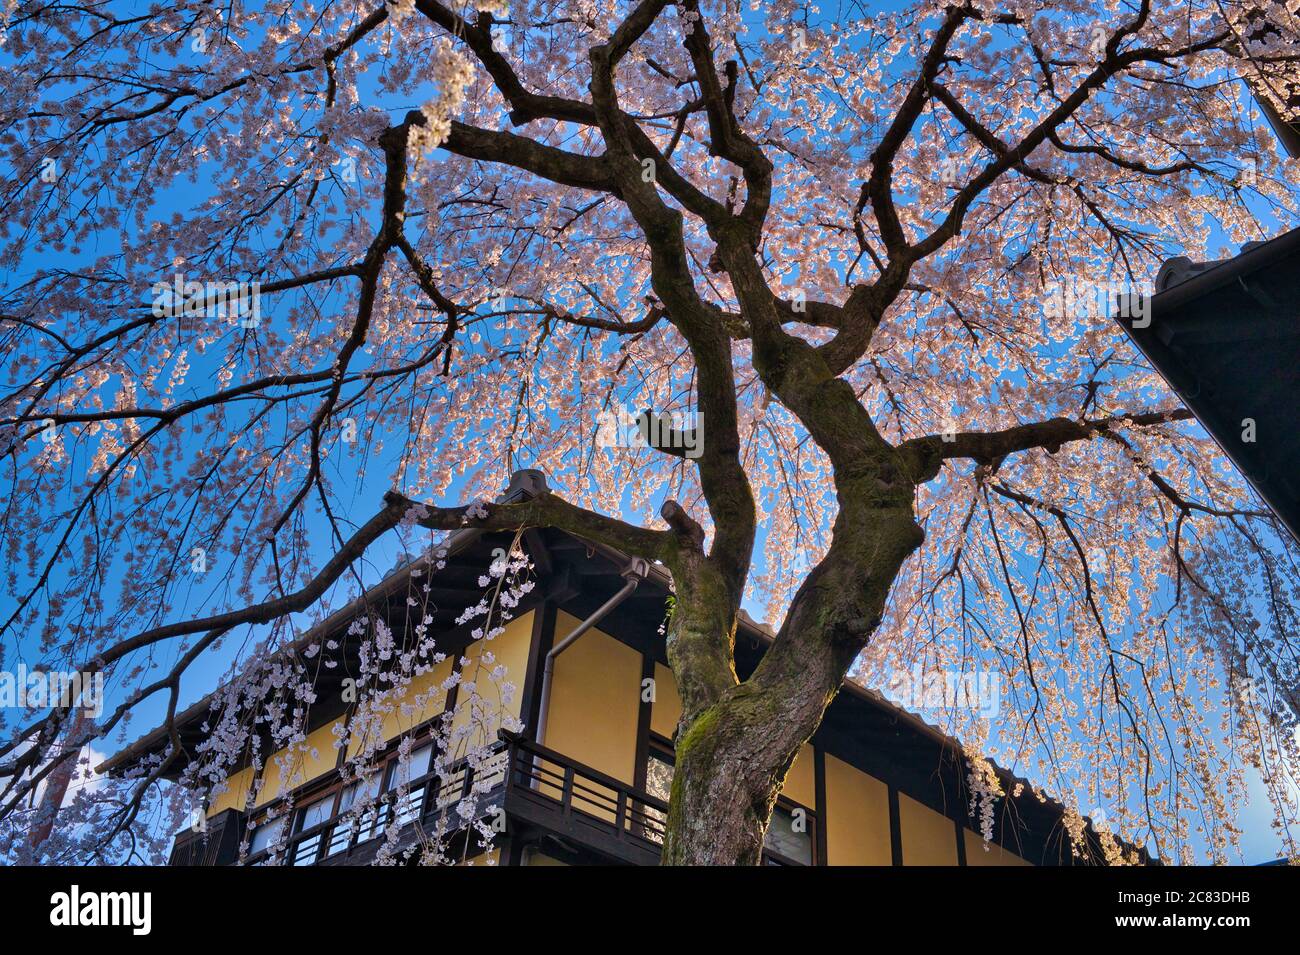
733 755
731 764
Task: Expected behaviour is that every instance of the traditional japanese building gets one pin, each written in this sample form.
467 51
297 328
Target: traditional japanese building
1226 337
588 777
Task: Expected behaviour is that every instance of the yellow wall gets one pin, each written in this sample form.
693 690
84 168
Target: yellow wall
996 855
801 781
509 649
541 858
400 711
491 857
667 707
857 817
595 700
236 793
420 701
299 763
928 837
423 699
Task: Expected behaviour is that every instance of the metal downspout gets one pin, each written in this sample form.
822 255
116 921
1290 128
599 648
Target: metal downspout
635 572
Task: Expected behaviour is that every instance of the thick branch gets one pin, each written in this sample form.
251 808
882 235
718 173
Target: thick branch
925 455
557 165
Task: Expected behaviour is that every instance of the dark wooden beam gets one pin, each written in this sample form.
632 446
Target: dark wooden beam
895 827
819 783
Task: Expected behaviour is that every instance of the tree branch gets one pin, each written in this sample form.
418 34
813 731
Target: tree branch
925 455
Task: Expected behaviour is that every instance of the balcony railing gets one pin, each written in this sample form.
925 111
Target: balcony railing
425 800
557 793
537 787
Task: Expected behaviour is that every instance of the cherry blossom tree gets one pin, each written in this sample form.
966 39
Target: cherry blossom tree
866 254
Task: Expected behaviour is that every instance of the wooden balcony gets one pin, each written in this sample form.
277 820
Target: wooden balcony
555 794
548 791
542 792
428 805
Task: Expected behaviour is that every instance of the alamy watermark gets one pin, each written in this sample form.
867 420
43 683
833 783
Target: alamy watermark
78 907
188 299
39 689
1080 297
676 431
937 689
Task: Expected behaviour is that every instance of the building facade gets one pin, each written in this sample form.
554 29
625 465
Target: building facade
585 774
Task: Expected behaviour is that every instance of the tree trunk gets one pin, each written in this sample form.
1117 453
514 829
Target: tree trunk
56 788
732 756
730 766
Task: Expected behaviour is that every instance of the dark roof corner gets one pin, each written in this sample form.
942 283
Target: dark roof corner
526 484
1179 269
766 628
1226 338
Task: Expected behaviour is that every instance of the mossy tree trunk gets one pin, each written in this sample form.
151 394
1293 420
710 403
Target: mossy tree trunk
733 754
736 741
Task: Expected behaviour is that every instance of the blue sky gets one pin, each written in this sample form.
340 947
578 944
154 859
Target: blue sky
1259 843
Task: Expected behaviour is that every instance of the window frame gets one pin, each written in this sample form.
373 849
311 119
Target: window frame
660 748
332 785
790 806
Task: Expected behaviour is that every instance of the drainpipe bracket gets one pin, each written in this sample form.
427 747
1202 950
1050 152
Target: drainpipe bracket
638 568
